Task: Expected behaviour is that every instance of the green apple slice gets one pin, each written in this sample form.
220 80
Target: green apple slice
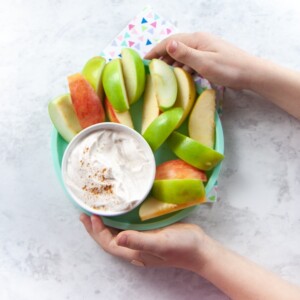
114 85
134 74
186 93
165 84
150 107
192 152
159 130
63 117
178 191
92 72
202 119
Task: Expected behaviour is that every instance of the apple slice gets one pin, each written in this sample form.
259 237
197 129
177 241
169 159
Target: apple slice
114 85
134 74
178 169
178 191
202 119
150 106
159 130
63 117
165 84
113 116
86 102
152 208
92 72
192 152
186 93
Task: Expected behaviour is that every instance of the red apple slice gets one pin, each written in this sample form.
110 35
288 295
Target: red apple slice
86 102
122 118
178 169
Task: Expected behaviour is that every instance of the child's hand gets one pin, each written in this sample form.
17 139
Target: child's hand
210 56
179 245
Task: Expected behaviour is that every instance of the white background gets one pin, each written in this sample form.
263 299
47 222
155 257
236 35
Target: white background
44 251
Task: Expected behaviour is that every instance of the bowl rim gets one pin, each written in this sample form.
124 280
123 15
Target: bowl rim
108 126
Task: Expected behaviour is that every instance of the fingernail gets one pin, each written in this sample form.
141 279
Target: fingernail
173 46
122 240
138 263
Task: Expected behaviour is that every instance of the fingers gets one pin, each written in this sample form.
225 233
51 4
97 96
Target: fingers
159 50
141 241
105 237
185 55
86 221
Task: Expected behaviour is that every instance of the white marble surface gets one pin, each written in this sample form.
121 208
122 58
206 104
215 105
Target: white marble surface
44 251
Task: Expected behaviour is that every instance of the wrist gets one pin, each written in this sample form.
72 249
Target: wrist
258 71
251 72
206 251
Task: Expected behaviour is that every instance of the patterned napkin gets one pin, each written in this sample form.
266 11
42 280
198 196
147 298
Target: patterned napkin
142 33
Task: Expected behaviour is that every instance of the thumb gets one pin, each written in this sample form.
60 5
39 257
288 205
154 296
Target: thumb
184 54
135 240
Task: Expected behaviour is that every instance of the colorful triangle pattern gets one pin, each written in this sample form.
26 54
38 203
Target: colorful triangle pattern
141 33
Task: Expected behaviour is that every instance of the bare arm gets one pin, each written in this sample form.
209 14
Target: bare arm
277 84
240 278
225 64
186 246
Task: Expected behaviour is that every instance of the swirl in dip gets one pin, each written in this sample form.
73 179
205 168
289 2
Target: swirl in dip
109 169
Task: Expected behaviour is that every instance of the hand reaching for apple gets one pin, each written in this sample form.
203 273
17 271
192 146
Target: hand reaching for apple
210 56
224 64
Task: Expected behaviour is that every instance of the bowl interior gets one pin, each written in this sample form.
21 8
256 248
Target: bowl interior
118 128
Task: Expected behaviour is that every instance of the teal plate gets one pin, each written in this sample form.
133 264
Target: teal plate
131 220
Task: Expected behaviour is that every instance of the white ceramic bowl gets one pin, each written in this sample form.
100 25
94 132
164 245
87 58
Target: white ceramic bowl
149 176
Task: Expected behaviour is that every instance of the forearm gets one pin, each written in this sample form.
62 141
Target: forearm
240 278
277 84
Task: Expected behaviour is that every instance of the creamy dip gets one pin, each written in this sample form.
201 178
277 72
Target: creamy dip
108 170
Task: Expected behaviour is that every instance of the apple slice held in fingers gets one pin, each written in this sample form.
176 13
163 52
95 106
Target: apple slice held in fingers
86 102
63 117
150 106
178 191
202 119
92 72
164 82
178 169
159 130
113 116
153 208
186 93
194 153
114 85
134 74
